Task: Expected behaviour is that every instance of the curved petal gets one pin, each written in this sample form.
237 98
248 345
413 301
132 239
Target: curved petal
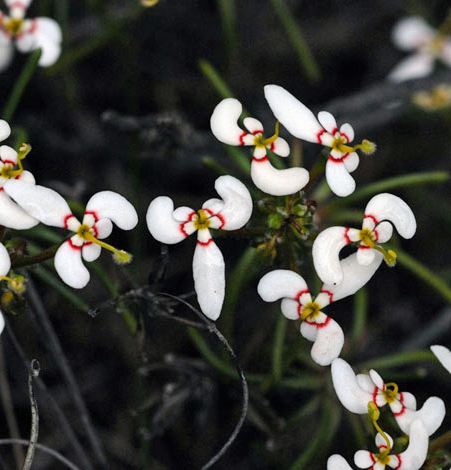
223 122
363 459
6 55
308 330
290 309
337 462
351 395
338 178
8 154
69 266
431 414
113 206
278 182
292 114
209 278
383 232
213 205
103 228
365 255
252 125
237 208
91 252
27 177
5 261
355 276
161 223
327 121
328 343
2 322
443 355
412 33
415 66
351 162
5 130
325 251
386 206
13 216
280 147
281 283
408 400
365 382
347 131
377 379
415 454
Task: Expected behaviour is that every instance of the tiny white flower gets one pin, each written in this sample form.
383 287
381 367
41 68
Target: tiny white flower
443 355
297 302
381 211
356 391
172 226
39 33
104 208
267 178
413 34
302 123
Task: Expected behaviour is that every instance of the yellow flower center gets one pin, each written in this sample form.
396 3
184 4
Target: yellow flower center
7 171
383 457
310 310
16 283
339 144
437 44
260 142
13 26
391 392
367 238
201 220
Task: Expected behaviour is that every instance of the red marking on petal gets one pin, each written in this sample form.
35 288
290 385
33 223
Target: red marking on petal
32 30
334 130
348 240
241 137
75 247
399 461
399 413
204 243
66 219
376 233
319 134
372 458
257 132
9 162
218 215
319 325
17 4
182 229
329 293
302 292
338 160
272 146
369 216
375 392
345 136
1 189
93 213
263 159
364 247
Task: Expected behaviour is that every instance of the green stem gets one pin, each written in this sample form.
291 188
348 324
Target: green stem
278 346
20 85
397 360
360 314
45 255
228 19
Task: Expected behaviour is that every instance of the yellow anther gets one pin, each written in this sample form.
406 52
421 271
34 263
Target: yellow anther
374 415
391 392
201 220
367 238
7 298
13 25
366 146
15 283
310 310
7 170
263 143
122 257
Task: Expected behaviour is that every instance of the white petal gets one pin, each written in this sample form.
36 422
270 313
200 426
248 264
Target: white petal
5 261
113 206
408 400
327 121
362 458
5 130
2 322
412 33
381 442
213 206
252 125
237 208
27 177
445 54
290 309
351 162
443 355
278 182
386 206
280 147
13 216
223 122
22 4
431 414
414 66
325 251
329 342
91 252
292 114
69 266
308 330
103 228
209 278
338 178
383 232
8 154
365 255
161 223
377 379
352 397
415 454
337 462
365 382
355 276
348 131
281 283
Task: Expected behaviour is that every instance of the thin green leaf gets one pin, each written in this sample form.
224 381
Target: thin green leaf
396 360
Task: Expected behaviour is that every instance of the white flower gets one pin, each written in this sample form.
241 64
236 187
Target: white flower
5 266
102 209
413 34
172 226
381 211
443 355
301 123
267 178
28 35
297 302
356 391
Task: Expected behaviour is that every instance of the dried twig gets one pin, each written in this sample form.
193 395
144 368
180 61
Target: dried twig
32 374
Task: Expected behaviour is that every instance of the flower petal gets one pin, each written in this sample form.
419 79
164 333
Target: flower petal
445 54
365 255
161 222
337 462
91 252
408 400
412 33
365 382
415 454
383 232
223 122
347 131
377 379
103 228
5 261
2 322
351 162
280 147
237 209
355 276
443 355
308 330
27 177
278 182
5 130
381 442
290 309
363 459
327 121
351 395
328 343
325 251
69 266
338 178
415 66
113 206
386 206
13 216
8 154
209 278
431 414
292 114
252 125
281 283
